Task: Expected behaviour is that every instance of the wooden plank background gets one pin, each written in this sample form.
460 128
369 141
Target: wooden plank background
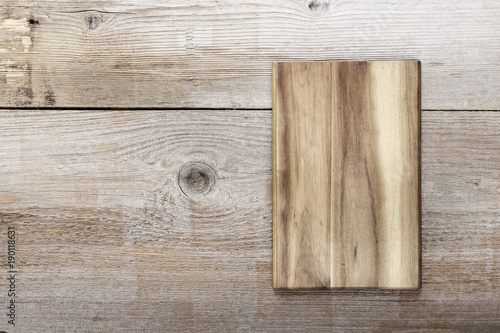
160 220
107 240
218 54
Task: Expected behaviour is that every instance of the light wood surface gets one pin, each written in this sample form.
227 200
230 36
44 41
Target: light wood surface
218 54
346 174
108 241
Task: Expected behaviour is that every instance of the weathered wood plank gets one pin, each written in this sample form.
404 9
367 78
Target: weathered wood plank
107 240
346 176
75 53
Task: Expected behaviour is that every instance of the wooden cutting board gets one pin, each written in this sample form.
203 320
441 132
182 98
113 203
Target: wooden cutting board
346 174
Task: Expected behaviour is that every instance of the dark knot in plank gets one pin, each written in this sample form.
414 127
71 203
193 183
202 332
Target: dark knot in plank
93 21
197 179
315 5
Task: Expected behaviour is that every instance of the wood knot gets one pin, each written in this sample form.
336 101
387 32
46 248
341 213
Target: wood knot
315 5
197 179
93 21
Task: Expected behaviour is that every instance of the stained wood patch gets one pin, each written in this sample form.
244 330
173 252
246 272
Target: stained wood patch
346 174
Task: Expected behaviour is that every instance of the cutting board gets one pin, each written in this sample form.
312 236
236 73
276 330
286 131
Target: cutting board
346 174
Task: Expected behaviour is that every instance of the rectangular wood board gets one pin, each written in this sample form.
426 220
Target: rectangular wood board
346 175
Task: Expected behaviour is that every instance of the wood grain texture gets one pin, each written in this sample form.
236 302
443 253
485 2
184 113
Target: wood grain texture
346 174
106 53
108 241
302 135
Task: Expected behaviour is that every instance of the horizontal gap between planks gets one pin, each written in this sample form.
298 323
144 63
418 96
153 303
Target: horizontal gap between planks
130 109
184 108
459 110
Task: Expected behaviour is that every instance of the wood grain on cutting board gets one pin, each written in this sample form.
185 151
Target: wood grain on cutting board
346 174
